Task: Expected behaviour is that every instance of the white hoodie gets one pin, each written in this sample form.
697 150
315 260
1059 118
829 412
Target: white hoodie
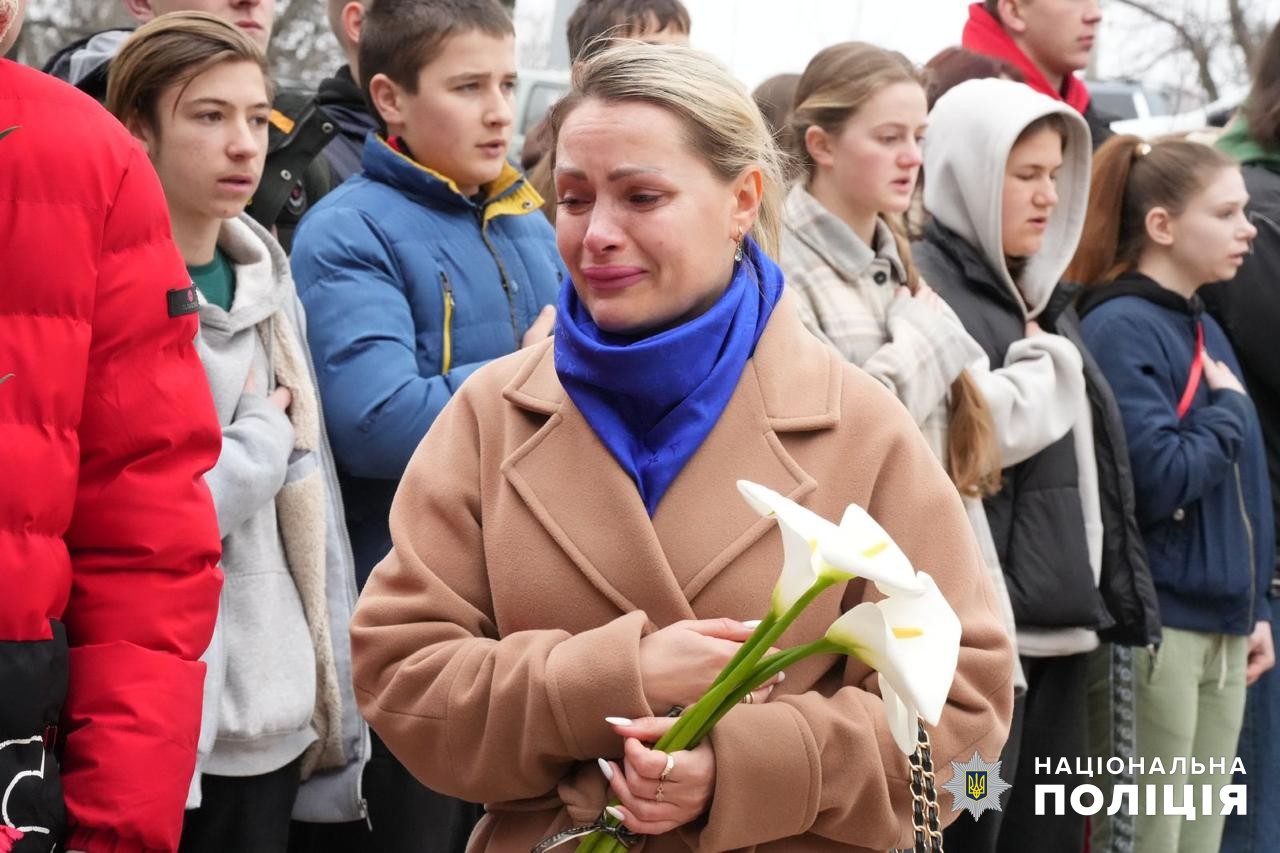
972 130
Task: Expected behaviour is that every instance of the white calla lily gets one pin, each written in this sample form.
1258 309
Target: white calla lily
913 641
816 549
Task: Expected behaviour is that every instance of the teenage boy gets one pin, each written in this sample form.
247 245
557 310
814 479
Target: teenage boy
340 95
1048 41
277 708
427 264
294 176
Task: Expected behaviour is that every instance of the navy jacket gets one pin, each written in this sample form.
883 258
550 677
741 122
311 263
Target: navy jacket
409 287
1201 481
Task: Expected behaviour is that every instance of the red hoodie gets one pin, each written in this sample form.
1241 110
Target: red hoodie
983 34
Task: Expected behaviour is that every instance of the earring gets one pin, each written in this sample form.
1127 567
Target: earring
737 253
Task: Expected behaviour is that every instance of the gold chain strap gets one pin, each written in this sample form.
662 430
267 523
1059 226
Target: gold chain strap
924 797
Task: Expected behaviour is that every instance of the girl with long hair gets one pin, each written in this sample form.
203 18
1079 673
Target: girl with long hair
1164 219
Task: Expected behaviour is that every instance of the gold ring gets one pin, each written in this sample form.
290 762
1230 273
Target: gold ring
659 796
666 771
749 699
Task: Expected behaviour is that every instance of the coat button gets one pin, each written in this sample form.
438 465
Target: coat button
880 277
286 174
1179 514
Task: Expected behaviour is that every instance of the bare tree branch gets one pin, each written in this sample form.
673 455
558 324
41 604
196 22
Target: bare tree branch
1198 44
1245 36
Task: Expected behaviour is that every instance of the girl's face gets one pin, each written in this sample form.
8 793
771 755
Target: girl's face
1211 236
210 141
874 161
645 226
1030 192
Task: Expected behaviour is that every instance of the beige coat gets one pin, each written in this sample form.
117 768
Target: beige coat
504 626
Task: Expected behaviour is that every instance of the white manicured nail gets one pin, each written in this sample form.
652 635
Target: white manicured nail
752 625
615 813
782 676
605 769
618 721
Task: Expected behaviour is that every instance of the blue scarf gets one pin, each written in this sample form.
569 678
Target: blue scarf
653 400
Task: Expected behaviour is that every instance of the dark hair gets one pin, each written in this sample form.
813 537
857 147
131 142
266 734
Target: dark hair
173 50
400 37
1262 112
954 65
1130 177
595 23
776 97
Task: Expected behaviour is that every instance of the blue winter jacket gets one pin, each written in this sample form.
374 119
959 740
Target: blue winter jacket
1203 499
410 286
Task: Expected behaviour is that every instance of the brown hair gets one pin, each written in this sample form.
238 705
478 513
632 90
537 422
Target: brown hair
400 37
594 24
1262 111
835 85
776 98
838 81
954 65
170 50
1130 177
722 124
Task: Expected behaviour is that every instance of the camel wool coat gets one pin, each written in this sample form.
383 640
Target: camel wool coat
504 626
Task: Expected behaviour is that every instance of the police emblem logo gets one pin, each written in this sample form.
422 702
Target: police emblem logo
976 786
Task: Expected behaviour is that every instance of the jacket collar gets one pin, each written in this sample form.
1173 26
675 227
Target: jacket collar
835 242
508 195
974 267
791 384
1145 287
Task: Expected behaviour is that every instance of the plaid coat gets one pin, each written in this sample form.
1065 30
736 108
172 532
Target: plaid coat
849 297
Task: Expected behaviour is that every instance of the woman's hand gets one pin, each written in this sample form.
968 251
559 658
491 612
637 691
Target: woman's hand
652 805
679 662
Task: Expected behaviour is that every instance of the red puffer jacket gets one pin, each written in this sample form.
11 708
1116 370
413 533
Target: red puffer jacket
108 539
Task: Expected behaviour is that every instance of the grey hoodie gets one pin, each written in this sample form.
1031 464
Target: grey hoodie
972 130
279 666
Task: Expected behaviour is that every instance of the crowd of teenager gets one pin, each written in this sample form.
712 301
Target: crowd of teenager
367 491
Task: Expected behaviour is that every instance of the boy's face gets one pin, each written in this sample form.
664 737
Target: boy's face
210 141
458 123
253 17
1059 34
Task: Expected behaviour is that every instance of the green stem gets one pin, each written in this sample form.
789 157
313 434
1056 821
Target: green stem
693 720
766 625
766 669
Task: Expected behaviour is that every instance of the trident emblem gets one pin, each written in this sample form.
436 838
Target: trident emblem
975 782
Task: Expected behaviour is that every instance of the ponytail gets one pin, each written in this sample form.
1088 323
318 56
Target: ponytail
1130 177
973 456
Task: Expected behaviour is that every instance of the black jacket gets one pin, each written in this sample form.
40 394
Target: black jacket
341 98
1248 307
294 177
1036 518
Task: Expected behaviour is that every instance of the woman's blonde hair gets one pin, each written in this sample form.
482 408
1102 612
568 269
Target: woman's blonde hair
173 49
722 123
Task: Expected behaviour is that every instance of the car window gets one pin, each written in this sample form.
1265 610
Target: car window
1117 104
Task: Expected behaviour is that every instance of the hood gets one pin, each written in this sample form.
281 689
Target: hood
1237 143
983 34
263 281
968 142
1137 284
84 63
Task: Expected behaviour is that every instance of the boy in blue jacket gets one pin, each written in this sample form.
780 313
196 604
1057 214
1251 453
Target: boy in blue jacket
433 259
428 263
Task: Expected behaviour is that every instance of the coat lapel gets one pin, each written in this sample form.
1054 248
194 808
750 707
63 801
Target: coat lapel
660 565
588 504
